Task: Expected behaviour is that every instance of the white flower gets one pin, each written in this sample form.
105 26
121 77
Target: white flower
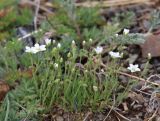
56 65
28 49
95 88
102 70
115 54
125 31
133 68
48 41
34 50
39 47
31 50
98 49
59 45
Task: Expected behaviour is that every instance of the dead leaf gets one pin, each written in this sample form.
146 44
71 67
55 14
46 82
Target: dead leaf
28 73
136 97
151 45
4 88
4 12
125 106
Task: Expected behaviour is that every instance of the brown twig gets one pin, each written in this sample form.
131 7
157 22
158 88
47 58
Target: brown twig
115 110
134 77
138 78
154 114
37 2
88 114
121 115
109 3
114 101
23 2
30 34
143 92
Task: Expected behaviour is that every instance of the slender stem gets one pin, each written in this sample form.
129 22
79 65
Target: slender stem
7 112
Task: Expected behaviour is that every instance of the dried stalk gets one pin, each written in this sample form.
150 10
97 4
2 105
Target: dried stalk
110 3
134 77
30 34
37 2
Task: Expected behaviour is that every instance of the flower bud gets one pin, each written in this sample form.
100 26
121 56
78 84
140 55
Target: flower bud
90 40
149 56
116 35
54 41
84 42
54 50
59 45
73 42
95 88
61 59
69 55
56 65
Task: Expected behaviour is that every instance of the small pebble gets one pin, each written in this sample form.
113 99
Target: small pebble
59 118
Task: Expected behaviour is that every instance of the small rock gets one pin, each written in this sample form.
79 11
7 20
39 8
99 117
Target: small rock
133 58
157 118
59 118
65 115
144 60
136 119
158 69
151 45
101 117
123 79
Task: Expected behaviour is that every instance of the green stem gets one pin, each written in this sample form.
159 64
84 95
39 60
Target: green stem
7 112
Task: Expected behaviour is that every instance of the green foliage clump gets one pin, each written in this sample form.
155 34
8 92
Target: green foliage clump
60 79
79 23
71 75
11 17
10 55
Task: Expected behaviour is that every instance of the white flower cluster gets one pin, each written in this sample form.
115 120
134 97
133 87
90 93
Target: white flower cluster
35 49
132 68
38 48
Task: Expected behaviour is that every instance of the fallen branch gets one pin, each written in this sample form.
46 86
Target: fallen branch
37 2
121 115
24 2
114 101
30 34
88 114
154 115
138 78
135 77
111 3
